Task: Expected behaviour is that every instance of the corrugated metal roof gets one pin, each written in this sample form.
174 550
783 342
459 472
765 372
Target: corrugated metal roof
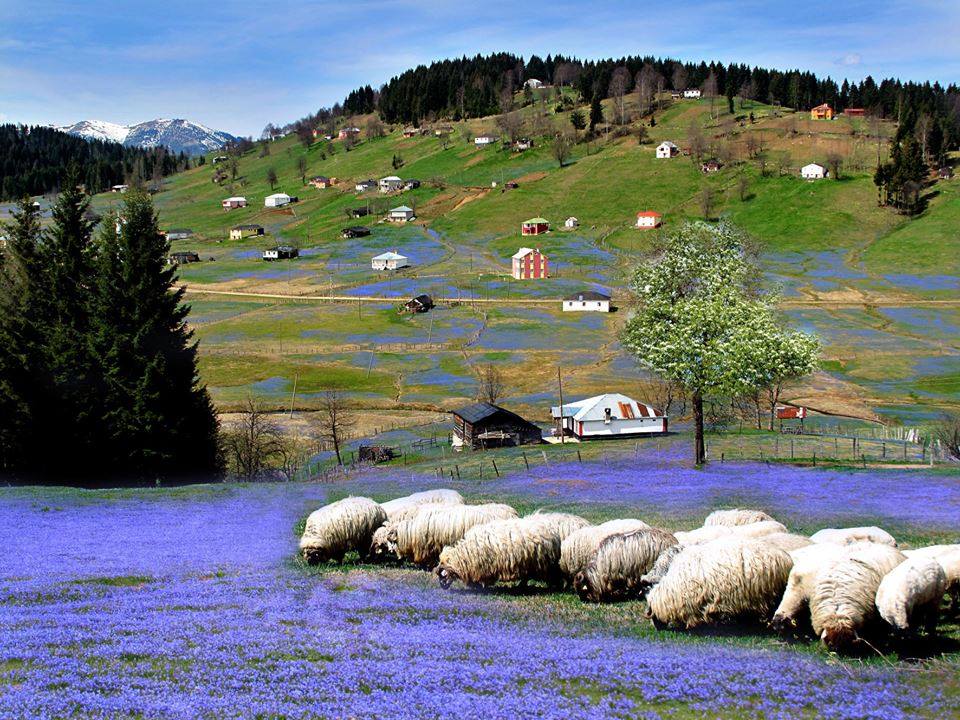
477 411
587 295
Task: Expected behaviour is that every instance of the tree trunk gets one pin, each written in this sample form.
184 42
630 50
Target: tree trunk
700 453
336 448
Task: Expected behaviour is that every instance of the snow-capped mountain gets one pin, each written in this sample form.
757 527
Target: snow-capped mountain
177 135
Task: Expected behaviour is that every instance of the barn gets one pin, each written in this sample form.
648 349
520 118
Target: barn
534 226
649 219
608 415
484 425
529 264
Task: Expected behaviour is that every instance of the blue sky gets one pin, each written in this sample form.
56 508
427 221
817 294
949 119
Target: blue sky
238 65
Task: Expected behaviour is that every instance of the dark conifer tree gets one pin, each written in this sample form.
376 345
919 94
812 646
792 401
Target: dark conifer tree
596 111
160 421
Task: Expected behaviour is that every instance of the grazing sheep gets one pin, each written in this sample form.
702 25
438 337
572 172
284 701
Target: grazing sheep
909 595
807 561
561 524
514 550
847 536
620 561
724 579
730 518
578 548
337 528
759 529
950 562
420 538
403 507
931 551
787 541
843 600
701 535
659 569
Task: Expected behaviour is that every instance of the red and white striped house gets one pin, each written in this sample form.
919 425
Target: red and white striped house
534 226
529 264
648 219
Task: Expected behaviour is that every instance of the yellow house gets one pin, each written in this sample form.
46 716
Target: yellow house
238 232
822 112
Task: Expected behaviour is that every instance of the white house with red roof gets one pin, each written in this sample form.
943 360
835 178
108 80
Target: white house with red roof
649 219
608 415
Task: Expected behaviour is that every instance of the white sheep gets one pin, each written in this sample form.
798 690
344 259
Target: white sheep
516 550
715 532
403 507
579 548
338 528
727 578
735 517
561 524
658 569
847 536
620 561
909 595
787 541
843 601
420 538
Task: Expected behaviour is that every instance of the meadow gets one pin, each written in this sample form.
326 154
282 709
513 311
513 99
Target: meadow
191 602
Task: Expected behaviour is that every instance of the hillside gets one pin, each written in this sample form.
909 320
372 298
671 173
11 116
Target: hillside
878 288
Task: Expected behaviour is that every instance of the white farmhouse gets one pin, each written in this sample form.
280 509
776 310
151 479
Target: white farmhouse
533 84
391 183
587 301
691 93
389 261
609 415
667 149
484 140
401 214
276 200
814 171
571 222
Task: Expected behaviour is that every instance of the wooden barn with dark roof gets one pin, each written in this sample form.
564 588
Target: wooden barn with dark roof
484 425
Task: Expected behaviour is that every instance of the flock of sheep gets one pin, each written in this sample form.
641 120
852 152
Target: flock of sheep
845 584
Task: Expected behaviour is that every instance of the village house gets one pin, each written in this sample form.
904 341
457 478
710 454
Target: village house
710 166
667 149
854 112
649 220
220 159
389 260
484 425
608 415
522 144
391 183
178 234
401 214
821 112
442 130
239 232
534 226
814 171
533 84
231 203
277 200
119 188
571 222
419 304
529 264
410 131
484 140
411 184
359 212
322 182
346 132
281 252
676 95
365 185
587 301
182 258
356 231
945 172
692 93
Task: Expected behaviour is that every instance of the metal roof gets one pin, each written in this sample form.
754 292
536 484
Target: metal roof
477 411
390 255
587 295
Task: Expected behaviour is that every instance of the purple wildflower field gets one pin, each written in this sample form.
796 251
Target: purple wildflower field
189 603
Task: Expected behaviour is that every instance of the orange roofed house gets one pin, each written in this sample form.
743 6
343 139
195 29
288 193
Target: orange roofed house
649 219
822 112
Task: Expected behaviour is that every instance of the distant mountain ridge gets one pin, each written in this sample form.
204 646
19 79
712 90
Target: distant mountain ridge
177 135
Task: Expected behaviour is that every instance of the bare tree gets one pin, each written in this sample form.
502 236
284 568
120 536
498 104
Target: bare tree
510 125
753 144
664 394
302 167
835 164
506 93
272 178
679 77
490 384
375 128
619 85
561 148
710 90
948 435
696 141
647 82
334 419
743 187
748 91
255 446
921 131
706 199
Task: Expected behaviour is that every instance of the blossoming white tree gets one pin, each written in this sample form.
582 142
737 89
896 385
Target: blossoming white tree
704 323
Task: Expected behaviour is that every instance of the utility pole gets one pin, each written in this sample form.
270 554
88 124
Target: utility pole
560 386
293 395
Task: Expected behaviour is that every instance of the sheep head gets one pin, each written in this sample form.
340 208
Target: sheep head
584 588
840 637
446 574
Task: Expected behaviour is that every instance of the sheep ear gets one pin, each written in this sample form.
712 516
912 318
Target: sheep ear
823 635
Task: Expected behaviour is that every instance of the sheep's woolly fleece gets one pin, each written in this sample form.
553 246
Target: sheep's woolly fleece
620 563
341 527
910 594
579 548
421 538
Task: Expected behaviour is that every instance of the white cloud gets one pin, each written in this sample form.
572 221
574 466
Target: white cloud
849 59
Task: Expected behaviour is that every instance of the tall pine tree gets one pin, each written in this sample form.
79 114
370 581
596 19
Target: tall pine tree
160 421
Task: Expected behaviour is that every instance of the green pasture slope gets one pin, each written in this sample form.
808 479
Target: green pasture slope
889 355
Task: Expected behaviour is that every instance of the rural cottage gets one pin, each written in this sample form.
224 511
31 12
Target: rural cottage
391 183
608 415
587 301
813 171
276 200
238 232
401 214
529 264
534 226
232 203
483 425
821 112
389 261
649 219
667 149
281 252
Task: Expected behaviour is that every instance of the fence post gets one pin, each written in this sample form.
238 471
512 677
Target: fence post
525 462
722 458
883 450
544 453
458 471
579 459
814 458
791 448
495 466
863 459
